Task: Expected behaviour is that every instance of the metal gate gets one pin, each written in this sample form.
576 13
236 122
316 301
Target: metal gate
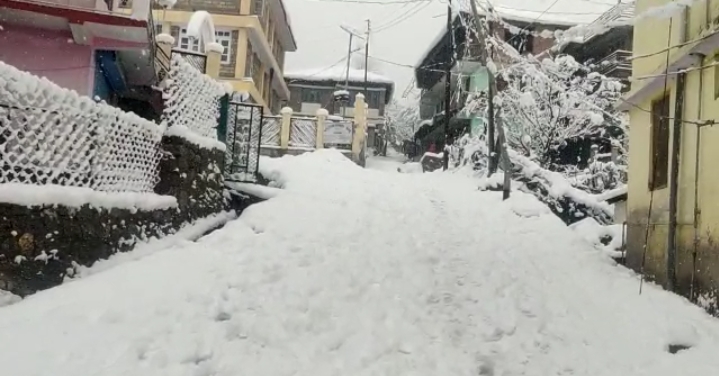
244 133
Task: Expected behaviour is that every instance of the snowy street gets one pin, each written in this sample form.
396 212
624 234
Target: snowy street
350 271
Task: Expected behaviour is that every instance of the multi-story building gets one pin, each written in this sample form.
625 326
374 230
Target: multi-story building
315 89
256 35
673 106
467 73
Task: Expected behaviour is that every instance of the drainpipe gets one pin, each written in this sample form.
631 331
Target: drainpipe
697 161
674 182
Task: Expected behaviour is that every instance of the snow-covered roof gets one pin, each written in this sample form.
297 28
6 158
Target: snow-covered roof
563 13
338 73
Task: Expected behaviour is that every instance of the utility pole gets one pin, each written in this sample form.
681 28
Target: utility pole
448 87
366 57
352 34
482 34
347 75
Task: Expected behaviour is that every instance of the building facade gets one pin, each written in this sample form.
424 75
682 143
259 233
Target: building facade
673 221
91 47
256 35
315 89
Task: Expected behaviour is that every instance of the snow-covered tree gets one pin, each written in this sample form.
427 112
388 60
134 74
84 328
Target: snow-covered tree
549 102
402 119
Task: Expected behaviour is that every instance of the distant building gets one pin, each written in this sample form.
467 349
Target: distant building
314 89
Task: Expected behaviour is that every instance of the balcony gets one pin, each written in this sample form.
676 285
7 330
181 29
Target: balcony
617 64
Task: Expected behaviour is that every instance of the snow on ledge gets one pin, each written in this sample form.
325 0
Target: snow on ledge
189 232
165 38
181 131
256 190
39 195
214 47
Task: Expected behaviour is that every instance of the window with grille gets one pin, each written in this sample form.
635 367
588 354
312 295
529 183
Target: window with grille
659 156
224 38
310 96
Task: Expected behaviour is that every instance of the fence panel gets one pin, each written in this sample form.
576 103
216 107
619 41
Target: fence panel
244 132
271 126
50 135
192 99
195 59
303 132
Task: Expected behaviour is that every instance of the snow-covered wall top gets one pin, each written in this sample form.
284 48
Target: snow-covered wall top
51 135
192 104
337 73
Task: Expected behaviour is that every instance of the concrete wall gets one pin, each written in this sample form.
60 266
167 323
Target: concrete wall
49 54
651 36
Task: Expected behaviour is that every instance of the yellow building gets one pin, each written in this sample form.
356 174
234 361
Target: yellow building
256 35
663 137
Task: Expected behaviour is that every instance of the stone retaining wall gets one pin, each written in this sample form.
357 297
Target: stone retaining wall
39 246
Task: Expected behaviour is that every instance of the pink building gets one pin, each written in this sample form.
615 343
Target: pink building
85 46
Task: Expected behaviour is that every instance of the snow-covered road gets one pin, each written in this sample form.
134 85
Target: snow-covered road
364 272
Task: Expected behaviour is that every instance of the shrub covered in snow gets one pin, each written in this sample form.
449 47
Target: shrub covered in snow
51 135
192 106
547 104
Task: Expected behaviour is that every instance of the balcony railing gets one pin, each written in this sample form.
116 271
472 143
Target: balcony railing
622 12
616 64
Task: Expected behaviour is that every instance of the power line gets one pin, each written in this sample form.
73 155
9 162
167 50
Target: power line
402 17
375 2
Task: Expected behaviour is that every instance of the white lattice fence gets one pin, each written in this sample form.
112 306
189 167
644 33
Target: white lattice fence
50 135
191 99
271 126
303 132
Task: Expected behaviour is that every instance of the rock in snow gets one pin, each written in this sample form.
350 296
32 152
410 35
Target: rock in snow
364 272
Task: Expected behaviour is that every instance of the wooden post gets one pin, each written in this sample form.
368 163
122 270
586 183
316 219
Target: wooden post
360 126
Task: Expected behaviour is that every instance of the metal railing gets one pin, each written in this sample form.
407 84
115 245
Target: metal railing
195 59
616 14
616 61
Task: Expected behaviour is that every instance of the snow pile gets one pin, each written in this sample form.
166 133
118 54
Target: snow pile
192 104
609 239
51 135
359 272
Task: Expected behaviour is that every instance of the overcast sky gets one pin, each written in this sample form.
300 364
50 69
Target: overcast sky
404 32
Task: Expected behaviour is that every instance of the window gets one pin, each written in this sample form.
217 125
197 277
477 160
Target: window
659 150
186 43
310 96
257 7
224 38
373 98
